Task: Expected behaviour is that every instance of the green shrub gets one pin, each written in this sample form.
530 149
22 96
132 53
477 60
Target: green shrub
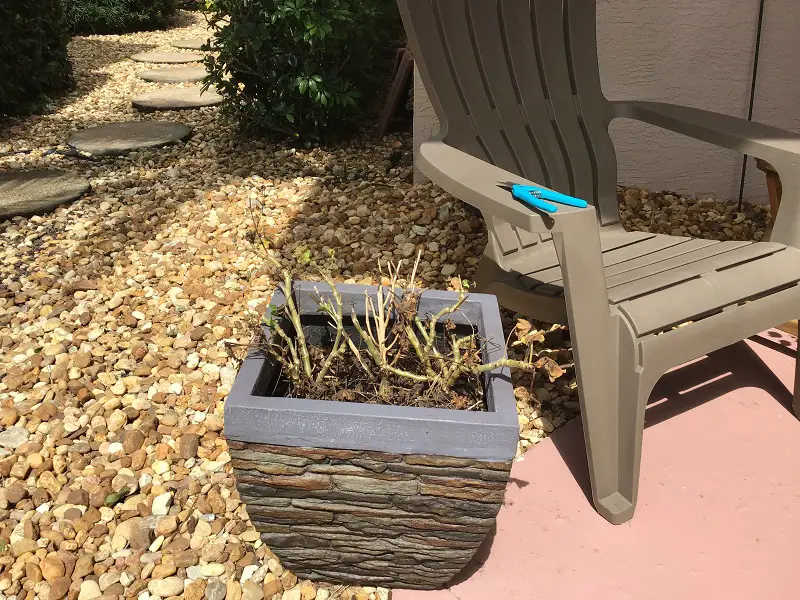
33 55
300 68
117 16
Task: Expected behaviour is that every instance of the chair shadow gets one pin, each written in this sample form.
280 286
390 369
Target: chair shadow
682 389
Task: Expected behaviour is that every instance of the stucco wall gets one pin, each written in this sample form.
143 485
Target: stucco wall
693 52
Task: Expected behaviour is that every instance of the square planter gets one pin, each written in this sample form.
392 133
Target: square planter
366 493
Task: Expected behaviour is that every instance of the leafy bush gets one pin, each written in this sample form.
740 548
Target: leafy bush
33 55
300 68
117 16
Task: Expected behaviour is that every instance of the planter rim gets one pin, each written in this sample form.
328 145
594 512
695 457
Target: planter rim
299 422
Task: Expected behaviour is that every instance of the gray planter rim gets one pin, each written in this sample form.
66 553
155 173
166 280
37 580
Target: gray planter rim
299 422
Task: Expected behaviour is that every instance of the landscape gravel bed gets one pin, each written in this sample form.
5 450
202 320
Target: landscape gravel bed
122 314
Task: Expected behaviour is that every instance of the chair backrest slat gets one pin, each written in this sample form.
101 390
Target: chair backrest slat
491 47
547 24
591 106
458 34
516 83
523 64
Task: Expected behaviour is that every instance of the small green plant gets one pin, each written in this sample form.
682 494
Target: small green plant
302 69
117 16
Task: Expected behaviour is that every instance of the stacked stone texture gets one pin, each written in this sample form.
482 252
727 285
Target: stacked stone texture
385 519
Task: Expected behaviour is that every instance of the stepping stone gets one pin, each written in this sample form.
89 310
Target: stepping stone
174 75
119 138
175 58
176 99
26 193
190 43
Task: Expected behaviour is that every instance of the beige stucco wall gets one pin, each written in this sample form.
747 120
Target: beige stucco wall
693 52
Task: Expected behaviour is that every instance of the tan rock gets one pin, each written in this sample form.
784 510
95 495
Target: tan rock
195 590
8 416
252 591
307 590
293 594
272 585
234 590
89 590
49 483
132 440
52 568
288 580
83 566
163 570
33 572
188 445
23 546
167 525
59 588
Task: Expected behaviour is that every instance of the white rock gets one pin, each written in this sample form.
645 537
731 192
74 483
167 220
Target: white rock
156 545
108 579
13 437
170 586
160 467
114 448
17 533
260 574
89 590
145 479
247 572
292 594
194 572
227 375
212 570
161 504
193 360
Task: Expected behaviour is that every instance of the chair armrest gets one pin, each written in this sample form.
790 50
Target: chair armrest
778 147
476 182
756 139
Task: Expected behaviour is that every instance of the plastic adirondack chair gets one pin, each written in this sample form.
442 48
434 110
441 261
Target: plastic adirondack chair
516 87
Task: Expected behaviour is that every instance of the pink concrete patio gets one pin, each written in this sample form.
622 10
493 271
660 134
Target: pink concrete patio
719 502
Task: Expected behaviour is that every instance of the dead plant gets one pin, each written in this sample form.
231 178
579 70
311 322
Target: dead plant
387 353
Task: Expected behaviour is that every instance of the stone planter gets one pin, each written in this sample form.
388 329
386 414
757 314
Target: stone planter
366 493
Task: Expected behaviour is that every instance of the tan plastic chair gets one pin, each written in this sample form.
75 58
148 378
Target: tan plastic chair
516 87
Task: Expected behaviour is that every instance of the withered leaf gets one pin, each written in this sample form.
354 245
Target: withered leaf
554 371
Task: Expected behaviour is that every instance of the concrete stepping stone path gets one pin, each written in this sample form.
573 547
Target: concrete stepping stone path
119 138
190 43
176 99
174 58
26 193
174 75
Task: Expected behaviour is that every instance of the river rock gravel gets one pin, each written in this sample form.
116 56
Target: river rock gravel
121 316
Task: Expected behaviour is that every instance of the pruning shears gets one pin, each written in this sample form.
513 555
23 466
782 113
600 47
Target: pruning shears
537 197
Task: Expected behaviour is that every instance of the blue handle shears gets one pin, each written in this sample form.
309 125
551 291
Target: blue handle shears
537 197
